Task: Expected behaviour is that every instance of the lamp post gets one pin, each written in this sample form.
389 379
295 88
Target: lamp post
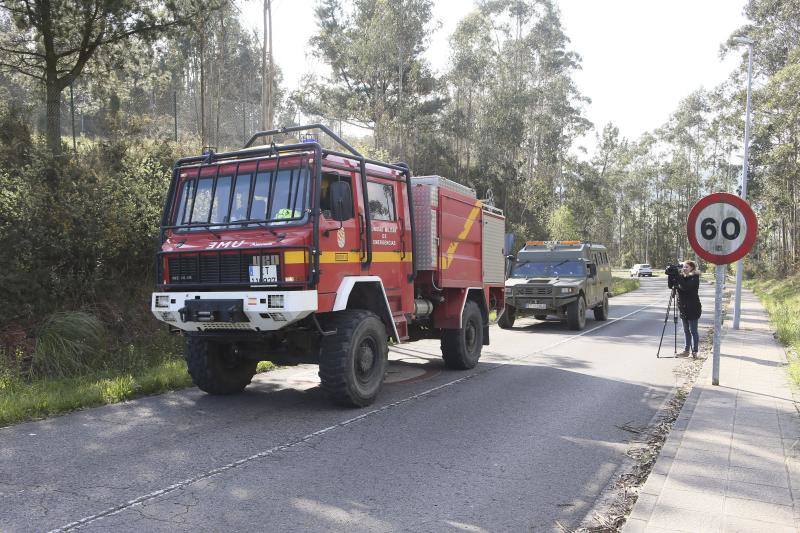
743 185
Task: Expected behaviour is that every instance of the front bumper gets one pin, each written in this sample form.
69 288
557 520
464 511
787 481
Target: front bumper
234 310
540 304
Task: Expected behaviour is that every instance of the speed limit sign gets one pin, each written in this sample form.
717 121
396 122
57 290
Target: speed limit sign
721 228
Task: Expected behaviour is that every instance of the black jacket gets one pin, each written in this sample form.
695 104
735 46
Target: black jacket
688 299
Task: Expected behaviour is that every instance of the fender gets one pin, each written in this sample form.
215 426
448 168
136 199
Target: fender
450 313
484 307
343 295
484 310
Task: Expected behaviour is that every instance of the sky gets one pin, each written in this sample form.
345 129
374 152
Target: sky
639 57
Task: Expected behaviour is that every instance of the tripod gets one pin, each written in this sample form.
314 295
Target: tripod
670 308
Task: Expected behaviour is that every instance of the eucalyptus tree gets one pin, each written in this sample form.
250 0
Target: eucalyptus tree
531 109
379 79
54 40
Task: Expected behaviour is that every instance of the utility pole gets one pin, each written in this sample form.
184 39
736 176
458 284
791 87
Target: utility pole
72 114
267 70
743 185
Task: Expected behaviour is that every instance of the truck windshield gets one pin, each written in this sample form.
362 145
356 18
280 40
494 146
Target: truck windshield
548 269
242 198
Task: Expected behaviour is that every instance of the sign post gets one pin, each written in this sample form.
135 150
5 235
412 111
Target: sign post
721 228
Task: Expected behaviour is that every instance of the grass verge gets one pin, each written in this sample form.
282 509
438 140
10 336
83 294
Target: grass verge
24 399
781 298
623 285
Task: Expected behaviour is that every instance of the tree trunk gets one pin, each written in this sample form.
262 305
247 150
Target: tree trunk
53 102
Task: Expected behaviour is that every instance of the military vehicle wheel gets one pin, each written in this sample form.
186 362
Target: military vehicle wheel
507 317
353 361
540 317
461 348
576 314
214 367
601 311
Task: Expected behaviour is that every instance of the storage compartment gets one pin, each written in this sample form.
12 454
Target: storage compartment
494 230
426 206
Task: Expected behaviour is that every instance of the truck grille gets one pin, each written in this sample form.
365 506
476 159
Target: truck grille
534 291
218 268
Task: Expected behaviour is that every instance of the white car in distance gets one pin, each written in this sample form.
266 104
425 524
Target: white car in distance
641 269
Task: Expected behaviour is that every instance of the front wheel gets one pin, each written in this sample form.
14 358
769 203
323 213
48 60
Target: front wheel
353 360
576 314
461 348
507 317
215 368
601 311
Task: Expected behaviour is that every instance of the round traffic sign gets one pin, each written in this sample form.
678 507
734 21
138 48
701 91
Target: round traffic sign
721 228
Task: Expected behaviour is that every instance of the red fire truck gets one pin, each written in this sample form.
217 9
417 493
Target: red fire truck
296 253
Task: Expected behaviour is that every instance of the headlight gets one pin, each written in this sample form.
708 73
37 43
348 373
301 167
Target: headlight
567 290
162 300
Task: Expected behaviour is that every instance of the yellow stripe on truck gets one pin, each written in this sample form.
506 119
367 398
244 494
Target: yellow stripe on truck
299 257
447 259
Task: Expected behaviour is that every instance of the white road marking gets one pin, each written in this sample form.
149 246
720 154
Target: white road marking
282 447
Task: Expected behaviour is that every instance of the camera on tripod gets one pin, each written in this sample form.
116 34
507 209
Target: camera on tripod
672 272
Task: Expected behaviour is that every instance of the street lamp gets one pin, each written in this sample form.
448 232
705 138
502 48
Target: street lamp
743 185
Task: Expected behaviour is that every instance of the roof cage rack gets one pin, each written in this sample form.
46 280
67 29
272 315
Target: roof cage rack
291 129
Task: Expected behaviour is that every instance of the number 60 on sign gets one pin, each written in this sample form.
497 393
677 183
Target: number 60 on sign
721 228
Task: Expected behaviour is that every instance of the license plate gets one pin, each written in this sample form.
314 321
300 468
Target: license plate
536 306
269 274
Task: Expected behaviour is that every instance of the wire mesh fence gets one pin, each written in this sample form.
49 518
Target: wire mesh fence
218 121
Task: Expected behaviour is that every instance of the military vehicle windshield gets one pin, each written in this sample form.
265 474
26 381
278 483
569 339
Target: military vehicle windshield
549 269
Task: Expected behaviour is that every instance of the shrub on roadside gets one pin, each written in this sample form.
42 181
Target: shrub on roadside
68 344
781 298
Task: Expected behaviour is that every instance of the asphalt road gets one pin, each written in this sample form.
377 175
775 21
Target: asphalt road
529 437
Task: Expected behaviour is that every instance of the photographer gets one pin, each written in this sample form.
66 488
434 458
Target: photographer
687 282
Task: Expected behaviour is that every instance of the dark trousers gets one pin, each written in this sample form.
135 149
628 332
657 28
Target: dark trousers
690 334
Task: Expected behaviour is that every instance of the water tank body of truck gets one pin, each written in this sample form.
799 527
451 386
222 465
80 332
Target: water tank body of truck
299 253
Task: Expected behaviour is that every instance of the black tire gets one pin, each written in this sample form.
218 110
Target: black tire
461 348
540 317
353 361
507 317
576 314
215 369
601 311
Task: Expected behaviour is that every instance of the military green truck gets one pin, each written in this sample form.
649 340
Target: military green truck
558 278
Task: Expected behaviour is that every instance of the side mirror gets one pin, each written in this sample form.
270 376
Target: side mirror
341 201
510 261
592 270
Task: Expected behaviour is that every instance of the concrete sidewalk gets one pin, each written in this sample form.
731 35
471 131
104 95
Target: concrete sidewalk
732 460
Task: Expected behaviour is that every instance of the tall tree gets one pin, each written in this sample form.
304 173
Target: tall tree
55 39
376 82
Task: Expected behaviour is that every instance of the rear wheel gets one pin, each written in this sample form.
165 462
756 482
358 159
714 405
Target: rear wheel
601 311
576 314
507 317
353 360
215 368
461 348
